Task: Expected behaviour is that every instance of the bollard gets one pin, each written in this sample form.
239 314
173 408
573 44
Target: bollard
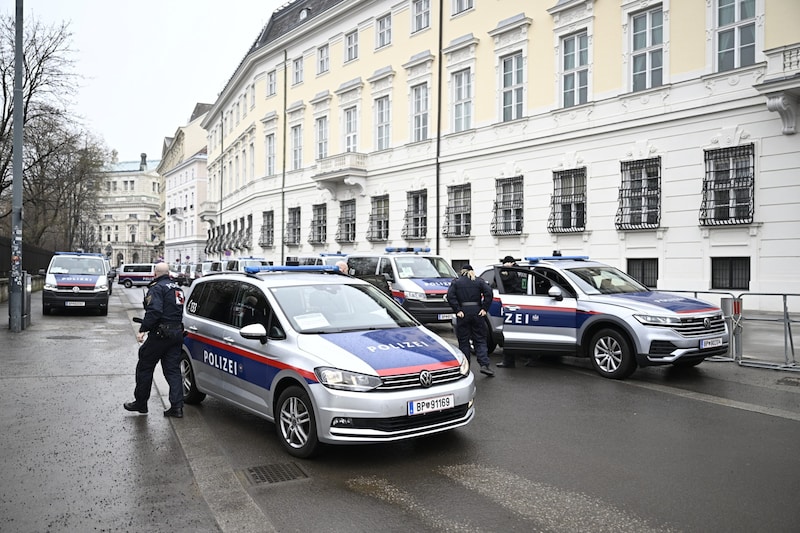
732 312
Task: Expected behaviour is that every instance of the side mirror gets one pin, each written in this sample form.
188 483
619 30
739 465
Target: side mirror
555 293
254 332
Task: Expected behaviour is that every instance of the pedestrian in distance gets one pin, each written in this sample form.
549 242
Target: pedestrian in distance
470 298
342 266
161 335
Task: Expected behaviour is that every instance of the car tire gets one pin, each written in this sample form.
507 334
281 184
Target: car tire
128 284
191 395
295 422
46 310
611 354
491 345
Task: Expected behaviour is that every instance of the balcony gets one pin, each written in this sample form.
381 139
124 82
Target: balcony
176 213
781 84
343 170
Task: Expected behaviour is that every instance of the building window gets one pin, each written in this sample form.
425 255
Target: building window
459 6
421 13
269 148
458 216
321 130
512 87
297 147
351 46
293 227
319 224
323 59
379 219
416 219
347 222
730 273
508 207
645 271
728 186
384 31
272 83
419 107
647 54
297 71
640 194
568 209
575 65
383 123
267 239
462 100
252 168
350 129
736 34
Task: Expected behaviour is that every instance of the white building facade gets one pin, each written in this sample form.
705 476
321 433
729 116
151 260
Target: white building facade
659 137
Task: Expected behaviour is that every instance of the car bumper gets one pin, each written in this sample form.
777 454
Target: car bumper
429 312
353 417
669 348
73 300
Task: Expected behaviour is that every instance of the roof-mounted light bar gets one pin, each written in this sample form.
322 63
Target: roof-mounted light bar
290 268
399 249
536 259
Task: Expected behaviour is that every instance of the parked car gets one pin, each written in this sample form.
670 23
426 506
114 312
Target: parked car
577 307
75 280
131 274
327 357
201 269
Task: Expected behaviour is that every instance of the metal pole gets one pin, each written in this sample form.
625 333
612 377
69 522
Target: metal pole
15 283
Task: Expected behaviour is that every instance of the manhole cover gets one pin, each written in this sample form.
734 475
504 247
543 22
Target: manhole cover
259 475
65 337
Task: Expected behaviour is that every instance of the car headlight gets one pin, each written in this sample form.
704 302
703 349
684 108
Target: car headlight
412 295
464 369
653 320
334 378
49 287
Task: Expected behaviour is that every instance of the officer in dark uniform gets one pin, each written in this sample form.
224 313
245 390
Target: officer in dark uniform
470 298
163 325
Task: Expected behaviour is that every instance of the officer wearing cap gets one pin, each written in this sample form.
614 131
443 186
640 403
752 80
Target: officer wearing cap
470 298
162 324
512 284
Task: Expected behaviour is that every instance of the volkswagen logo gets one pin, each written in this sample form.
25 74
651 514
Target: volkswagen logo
76 289
707 323
425 378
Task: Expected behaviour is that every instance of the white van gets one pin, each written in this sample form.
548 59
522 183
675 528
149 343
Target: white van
136 274
316 259
418 280
238 265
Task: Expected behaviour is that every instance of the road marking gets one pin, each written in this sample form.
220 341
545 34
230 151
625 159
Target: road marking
382 490
552 508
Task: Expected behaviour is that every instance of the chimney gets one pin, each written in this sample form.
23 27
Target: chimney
143 164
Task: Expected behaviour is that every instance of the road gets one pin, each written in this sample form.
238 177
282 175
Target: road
554 447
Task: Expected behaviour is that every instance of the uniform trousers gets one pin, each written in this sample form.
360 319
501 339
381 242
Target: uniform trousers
168 352
473 327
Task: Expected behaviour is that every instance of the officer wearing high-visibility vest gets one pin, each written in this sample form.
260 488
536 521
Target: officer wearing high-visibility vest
470 298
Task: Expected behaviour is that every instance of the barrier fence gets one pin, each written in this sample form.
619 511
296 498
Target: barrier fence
737 316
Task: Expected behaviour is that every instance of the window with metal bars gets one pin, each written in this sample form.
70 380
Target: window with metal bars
728 186
730 273
458 215
508 207
267 238
347 222
416 219
640 194
379 219
319 224
293 227
645 271
568 208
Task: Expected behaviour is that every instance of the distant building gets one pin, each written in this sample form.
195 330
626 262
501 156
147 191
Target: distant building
183 171
130 213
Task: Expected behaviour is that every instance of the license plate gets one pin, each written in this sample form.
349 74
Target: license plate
711 343
428 405
74 304
447 316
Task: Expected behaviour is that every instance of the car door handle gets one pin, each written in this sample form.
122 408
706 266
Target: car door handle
229 340
511 307
193 328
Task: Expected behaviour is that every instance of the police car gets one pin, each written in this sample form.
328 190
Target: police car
76 280
577 307
327 357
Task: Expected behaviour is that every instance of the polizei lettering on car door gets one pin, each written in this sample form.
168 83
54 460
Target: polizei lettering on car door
221 362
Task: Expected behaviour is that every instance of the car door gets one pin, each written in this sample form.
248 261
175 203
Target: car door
534 318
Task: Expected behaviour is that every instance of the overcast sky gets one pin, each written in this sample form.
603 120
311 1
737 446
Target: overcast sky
146 63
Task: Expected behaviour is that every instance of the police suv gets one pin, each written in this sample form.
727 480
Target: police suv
577 307
327 357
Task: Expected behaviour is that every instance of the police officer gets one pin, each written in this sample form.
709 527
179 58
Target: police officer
470 298
162 324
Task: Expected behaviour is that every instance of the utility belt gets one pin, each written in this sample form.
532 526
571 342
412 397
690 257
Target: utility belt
171 325
468 304
169 330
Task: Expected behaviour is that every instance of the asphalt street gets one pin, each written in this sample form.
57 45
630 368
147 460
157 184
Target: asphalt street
71 459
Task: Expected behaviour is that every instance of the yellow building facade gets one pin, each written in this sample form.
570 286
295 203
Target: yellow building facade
655 136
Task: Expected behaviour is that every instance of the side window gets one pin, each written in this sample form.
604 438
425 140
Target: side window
488 276
217 301
195 297
386 268
362 265
552 277
514 280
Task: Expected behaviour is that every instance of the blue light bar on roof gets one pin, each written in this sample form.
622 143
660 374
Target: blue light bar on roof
332 254
558 258
397 249
290 268
88 254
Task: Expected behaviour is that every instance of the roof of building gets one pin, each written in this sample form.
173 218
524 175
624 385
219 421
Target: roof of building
132 166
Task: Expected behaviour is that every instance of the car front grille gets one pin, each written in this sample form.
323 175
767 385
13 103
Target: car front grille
411 381
661 348
405 423
696 327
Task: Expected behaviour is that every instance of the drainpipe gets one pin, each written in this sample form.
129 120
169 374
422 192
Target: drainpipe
283 162
221 174
439 129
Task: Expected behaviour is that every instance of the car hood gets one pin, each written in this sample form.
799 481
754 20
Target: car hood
657 302
386 352
432 285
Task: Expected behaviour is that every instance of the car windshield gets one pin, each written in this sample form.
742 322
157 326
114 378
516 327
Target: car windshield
424 267
332 308
604 280
77 265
